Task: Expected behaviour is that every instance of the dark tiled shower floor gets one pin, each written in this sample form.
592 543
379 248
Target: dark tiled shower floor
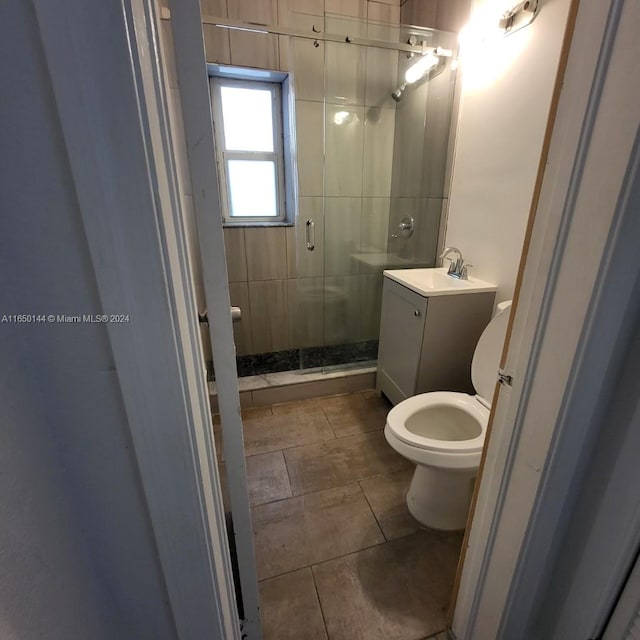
306 358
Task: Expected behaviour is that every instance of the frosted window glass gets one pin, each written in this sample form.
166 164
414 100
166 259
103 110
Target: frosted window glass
247 117
252 187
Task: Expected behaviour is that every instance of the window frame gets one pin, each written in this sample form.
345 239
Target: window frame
223 155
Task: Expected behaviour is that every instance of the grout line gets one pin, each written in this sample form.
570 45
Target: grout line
326 417
358 480
373 513
315 586
286 467
315 564
344 555
308 444
434 635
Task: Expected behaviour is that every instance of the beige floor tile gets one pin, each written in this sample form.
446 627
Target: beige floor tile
247 414
337 462
304 530
267 478
250 412
387 496
289 608
396 591
270 433
438 636
355 413
311 404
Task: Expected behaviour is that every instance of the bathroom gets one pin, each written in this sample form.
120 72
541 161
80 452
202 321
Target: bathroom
333 537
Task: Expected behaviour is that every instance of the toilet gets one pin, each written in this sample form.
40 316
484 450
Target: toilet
443 432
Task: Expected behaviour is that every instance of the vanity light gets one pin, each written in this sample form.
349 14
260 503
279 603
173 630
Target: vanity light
419 68
519 16
482 30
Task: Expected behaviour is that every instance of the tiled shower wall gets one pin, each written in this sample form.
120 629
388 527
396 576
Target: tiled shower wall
424 137
291 297
419 187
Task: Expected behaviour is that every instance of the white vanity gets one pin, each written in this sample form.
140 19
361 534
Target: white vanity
429 328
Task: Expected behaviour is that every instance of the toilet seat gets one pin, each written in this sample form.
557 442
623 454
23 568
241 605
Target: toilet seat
466 414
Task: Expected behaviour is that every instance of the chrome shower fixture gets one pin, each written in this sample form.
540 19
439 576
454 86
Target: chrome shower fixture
397 94
427 62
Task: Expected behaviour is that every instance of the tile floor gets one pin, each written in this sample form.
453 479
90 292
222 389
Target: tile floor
339 556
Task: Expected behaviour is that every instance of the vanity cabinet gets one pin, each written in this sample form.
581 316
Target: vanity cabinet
427 342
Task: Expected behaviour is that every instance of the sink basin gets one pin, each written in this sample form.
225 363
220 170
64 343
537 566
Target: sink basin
436 282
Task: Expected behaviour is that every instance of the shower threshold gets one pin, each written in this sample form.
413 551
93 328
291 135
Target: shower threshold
288 386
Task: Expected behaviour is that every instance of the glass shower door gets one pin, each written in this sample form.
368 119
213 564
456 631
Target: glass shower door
358 152
385 158
369 166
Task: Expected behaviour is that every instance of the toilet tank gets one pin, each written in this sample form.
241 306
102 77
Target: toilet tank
486 357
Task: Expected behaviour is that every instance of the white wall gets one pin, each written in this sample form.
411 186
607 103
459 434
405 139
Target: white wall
77 552
506 93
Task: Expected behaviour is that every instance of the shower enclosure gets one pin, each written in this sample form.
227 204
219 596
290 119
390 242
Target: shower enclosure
371 158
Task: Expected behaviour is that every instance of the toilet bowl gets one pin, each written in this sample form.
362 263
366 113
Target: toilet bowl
443 432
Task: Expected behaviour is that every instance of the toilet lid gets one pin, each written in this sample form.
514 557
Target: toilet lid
486 358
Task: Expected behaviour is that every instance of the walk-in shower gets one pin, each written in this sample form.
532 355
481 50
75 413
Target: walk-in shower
373 105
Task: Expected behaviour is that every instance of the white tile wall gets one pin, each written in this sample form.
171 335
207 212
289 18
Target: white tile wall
265 11
289 9
345 73
216 44
306 301
269 315
374 226
309 132
377 165
383 12
235 253
344 141
342 235
215 8
369 303
254 50
381 78
353 8
308 61
266 249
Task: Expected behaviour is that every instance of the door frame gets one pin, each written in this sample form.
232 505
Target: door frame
567 336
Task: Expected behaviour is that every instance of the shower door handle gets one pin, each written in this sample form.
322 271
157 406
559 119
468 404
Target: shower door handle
311 234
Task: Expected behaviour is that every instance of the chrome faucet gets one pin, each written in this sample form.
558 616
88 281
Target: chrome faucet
457 267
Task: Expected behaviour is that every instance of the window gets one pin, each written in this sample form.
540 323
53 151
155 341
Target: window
247 117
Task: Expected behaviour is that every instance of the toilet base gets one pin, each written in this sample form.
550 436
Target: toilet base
440 498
